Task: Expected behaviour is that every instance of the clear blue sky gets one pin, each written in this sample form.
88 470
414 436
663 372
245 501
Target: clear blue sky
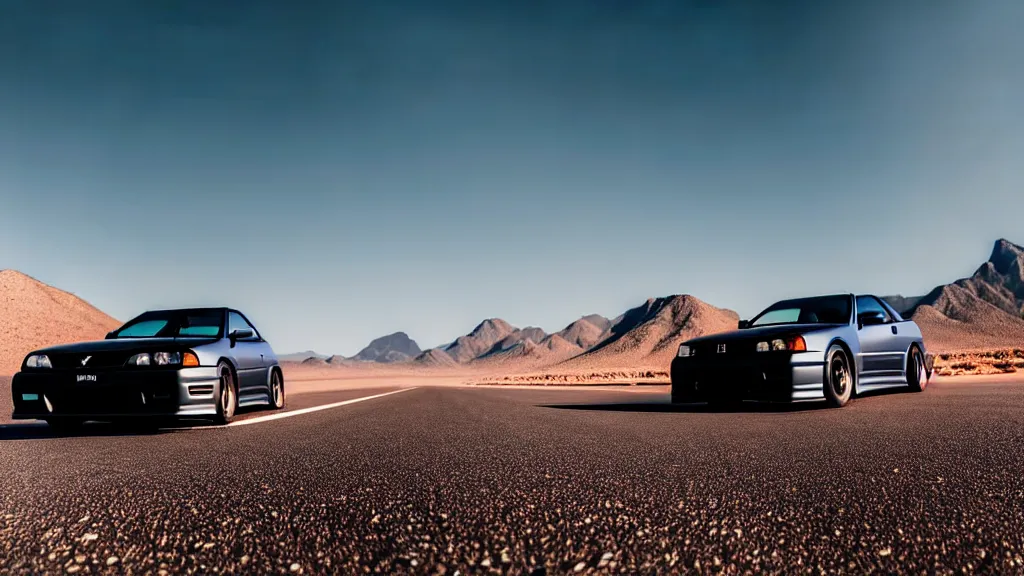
341 170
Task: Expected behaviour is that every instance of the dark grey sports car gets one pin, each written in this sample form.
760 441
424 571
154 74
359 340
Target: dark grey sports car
821 348
196 363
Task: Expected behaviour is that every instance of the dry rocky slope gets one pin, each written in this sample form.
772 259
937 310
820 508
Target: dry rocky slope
34 315
982 312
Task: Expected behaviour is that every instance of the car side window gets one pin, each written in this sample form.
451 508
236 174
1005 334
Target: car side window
237 322
870 304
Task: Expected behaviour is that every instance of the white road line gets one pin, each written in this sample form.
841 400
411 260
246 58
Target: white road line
301 411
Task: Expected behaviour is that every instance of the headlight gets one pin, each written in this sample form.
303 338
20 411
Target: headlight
793 344
38 361
684 350
166 358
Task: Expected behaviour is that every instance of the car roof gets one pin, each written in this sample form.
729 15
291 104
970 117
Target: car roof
212 309
847 295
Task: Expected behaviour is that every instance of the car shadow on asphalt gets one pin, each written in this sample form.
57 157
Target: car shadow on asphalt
748 406
38 430
699 408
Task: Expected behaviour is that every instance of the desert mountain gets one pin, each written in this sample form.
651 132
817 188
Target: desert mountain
586 332
518 336
34 315
396 347
522 351
558 347
650 334
480 341
435 358
599 321
983 311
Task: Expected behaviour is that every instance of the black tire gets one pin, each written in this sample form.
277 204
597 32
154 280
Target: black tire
227 394
65 426
917 374
276 390
839 377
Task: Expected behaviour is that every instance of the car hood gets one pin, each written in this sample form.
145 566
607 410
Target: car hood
124 345
762 333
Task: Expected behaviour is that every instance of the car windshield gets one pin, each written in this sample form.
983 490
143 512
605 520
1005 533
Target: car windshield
173 323
818 310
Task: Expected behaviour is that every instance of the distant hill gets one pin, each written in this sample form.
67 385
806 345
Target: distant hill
337 360
650 334
300 356
982 311
35 315
397 347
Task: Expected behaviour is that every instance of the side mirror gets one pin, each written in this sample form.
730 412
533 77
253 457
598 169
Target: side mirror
744 324
871 318
240 334
110 335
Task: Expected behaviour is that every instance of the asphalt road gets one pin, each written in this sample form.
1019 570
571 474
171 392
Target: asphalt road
469 481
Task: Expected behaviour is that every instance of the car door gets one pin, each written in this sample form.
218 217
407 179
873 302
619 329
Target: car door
247 355
267 357
881 355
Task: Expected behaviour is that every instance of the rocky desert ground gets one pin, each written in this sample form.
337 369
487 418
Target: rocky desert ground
973 325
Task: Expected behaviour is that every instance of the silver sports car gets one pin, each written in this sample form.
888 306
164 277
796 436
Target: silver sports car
197 363
822 348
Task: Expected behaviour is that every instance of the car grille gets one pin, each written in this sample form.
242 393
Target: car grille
732 349
96 360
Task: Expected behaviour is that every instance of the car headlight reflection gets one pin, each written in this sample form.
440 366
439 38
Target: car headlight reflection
38 361
684 351
140 360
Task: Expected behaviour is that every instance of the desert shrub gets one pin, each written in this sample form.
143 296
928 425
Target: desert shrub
964 366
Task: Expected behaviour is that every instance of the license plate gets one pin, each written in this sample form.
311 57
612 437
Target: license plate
85 378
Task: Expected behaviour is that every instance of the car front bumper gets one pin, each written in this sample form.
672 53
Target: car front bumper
178 393
768 376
